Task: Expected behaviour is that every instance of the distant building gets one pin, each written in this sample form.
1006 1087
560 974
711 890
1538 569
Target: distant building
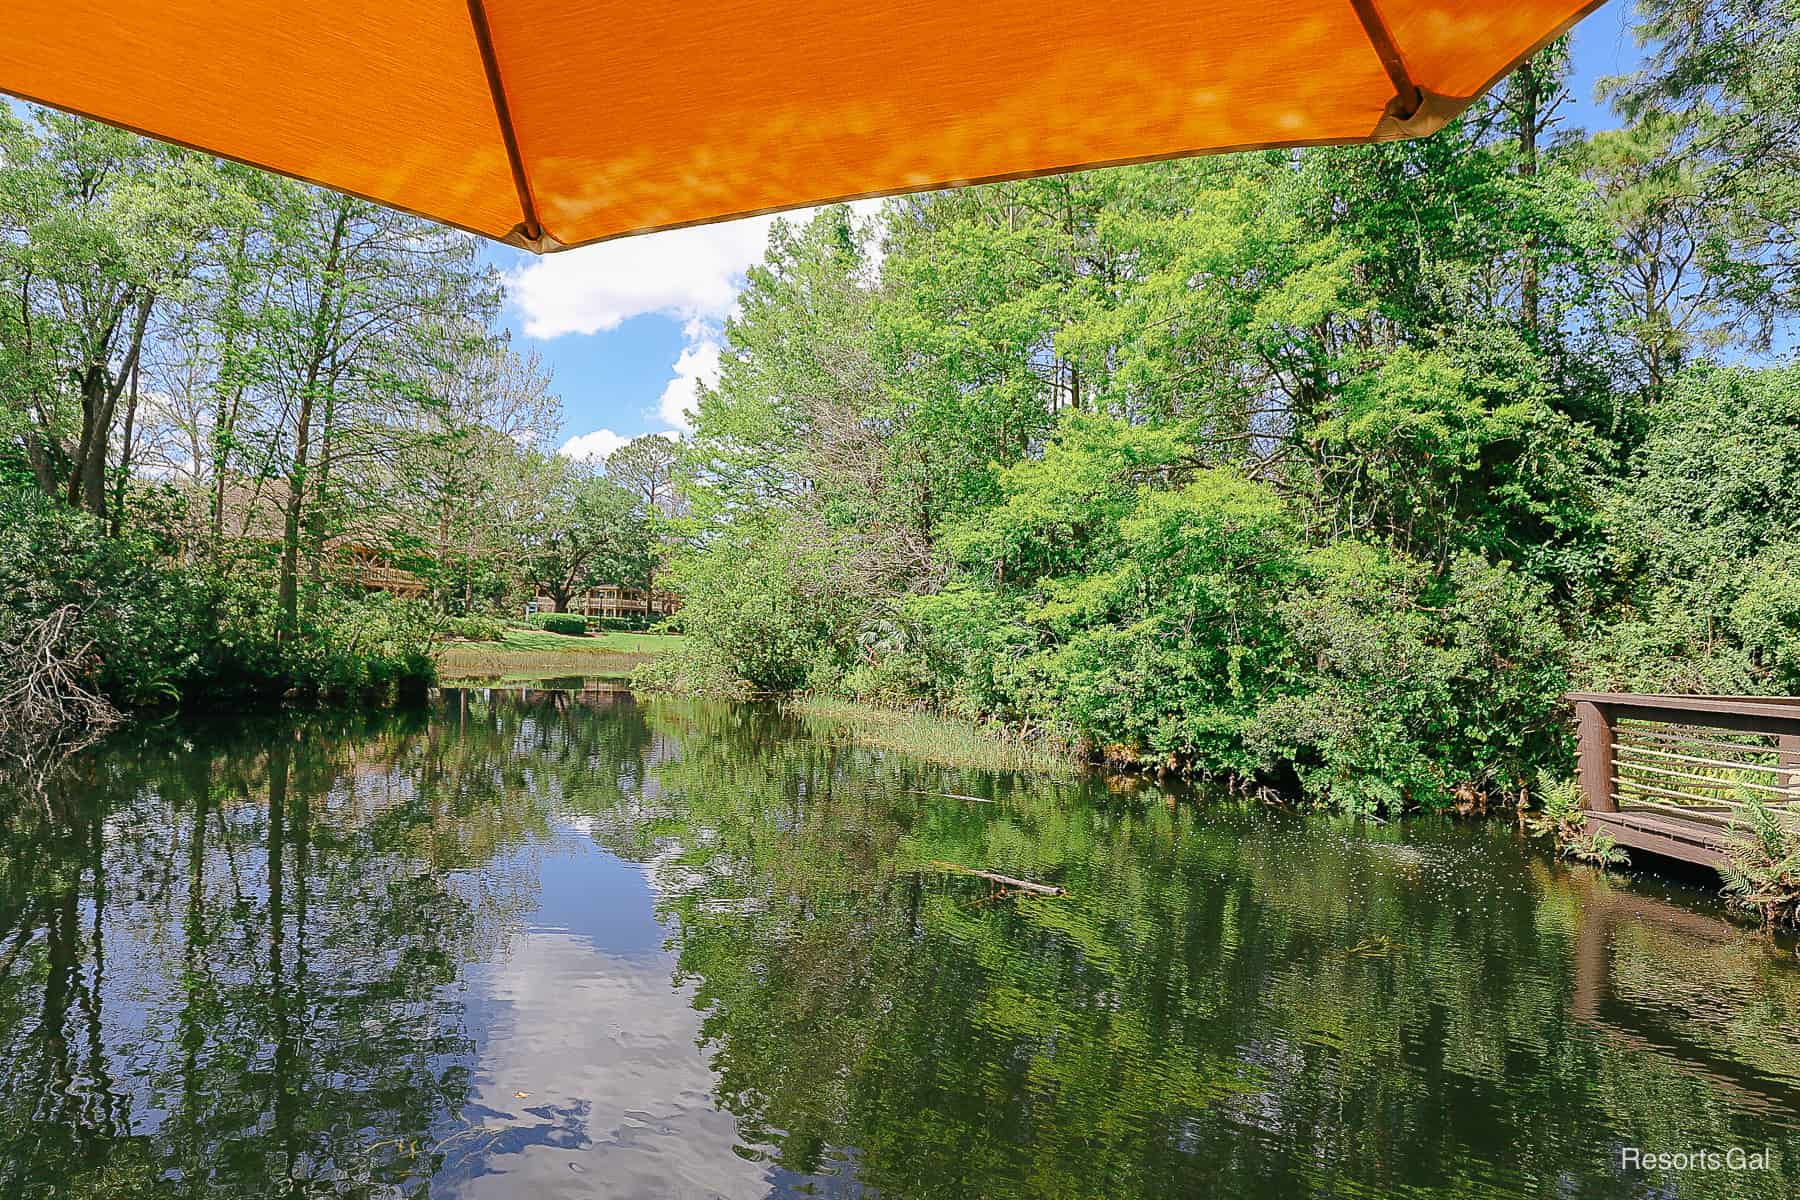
613 601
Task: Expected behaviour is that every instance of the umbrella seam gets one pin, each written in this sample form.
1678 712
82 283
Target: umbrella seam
531 228
1407 94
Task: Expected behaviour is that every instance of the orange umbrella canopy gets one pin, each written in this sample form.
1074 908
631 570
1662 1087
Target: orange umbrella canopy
553 123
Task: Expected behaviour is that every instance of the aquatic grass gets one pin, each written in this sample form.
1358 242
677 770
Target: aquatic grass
935 738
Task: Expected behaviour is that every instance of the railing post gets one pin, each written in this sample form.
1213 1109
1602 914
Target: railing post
1595 728
1787 761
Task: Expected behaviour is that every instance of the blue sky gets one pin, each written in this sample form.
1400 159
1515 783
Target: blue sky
630 326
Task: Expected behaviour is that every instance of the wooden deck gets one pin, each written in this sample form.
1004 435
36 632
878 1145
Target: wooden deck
1664 774
1679 837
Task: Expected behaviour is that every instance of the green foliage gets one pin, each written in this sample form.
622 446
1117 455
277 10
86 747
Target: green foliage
1148 594
773 610
577 529
1462 447
364 645
1409 688
1562 818
1325 471
475 628
697 668
165 632
1720 85
1701 536
571 624
1762 864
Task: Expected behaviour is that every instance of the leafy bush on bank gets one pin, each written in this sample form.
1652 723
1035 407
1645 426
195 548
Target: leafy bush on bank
1762 864
571 624
476 627
167 632
1111 593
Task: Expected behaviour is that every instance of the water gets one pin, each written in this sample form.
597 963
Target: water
575 945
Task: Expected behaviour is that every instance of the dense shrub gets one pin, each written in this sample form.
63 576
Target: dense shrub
363 645
1162 657
631 623
199 633
475 627
695 669
1562 817
1410 688
1703 546
1762 864
572 624
1169 617
774 611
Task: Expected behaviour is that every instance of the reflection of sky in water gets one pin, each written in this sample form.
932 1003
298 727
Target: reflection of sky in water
579 1015
452 983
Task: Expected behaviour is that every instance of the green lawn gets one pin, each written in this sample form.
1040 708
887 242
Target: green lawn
526 653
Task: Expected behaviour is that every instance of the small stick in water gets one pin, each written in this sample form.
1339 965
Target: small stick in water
952 796
1041 889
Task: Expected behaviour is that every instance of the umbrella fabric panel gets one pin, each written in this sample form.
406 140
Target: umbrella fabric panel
630 117
1457 48
383 98
738 106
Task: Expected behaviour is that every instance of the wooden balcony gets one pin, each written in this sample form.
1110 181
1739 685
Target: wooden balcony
614 602
380 578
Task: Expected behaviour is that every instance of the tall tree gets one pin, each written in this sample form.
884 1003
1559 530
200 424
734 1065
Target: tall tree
647 467
576 529
1721 83
1530 100
364 289
100 227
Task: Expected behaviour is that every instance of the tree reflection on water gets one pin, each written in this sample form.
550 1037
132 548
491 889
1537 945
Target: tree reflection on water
258 958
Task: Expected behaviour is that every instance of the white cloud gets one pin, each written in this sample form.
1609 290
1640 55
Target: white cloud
698 364
689 274
592 447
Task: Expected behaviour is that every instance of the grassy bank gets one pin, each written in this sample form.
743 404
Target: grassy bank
933 738
523 655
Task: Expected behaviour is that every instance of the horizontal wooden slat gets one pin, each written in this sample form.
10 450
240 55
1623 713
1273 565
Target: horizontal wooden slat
1759 715
1686 841
1769 768
1627 786
1664 734
1663 772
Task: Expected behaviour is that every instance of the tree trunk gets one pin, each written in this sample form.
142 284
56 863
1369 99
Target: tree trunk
318 348
100 392
316 531
1528 91
225 411
125 455
289 589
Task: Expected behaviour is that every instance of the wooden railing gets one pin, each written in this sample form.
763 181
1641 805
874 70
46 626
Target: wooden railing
382 578
1687 752
1668 774
612 602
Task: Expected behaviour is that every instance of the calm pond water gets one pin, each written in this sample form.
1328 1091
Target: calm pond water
578 945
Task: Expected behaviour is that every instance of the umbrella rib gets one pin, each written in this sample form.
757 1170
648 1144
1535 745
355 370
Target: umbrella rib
531 227
1407 96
